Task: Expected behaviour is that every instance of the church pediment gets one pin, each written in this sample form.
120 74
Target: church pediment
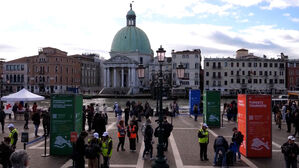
120 60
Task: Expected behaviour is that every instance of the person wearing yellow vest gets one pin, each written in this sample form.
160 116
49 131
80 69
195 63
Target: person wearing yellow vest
13 135
106 149
203 139
132 134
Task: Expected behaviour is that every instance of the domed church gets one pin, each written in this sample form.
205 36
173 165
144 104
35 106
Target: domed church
130 47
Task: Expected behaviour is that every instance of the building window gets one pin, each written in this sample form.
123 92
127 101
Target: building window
249 64
243 72
249 80
260 64
232 64
231 72
238 80
243 64
196 75
231 80
281 73
275 73
271 81
281 81
265 81
225 73
196 65
214 64
270 65
207 83
214 74
238 73
225 82
275 65
254 80
207 64
219 74
281 65
260 80
141 60
275 81
196 82
219 65
270 73
265 65
255 64
261 73
237 64
266 73
243 81
207 73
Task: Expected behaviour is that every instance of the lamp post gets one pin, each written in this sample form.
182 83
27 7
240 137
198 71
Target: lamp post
160 162
140 72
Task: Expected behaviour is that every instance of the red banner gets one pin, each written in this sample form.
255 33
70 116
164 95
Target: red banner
258 125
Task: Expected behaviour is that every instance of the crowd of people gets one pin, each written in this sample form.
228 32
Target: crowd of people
100 144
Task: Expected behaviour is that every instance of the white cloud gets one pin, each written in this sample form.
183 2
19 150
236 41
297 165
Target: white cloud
251 14
243 2
244 21
295 20
286 14
281 4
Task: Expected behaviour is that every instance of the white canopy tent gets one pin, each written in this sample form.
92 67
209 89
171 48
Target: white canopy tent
22 95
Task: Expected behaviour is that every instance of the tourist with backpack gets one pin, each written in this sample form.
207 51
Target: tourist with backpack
237 139
92 151
220 145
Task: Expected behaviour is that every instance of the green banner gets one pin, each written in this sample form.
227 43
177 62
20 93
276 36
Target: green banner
66 116
211 108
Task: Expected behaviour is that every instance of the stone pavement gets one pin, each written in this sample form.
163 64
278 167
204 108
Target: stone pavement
183 149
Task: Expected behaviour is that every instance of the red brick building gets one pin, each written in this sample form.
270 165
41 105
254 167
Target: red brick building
293 74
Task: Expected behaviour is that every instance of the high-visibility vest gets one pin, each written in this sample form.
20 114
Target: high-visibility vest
205 139
11 134
105 145
132 131
121 129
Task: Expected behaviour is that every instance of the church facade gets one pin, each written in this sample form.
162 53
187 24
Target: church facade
130 47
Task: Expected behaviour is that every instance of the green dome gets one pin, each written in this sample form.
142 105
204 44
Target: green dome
131 39
131 12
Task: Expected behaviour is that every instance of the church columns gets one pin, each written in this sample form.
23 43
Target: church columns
129 77
108 77
134 77
105 76
114 77
122 77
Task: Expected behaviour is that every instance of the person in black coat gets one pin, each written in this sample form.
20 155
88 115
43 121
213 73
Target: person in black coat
290 150
46 122
36 122
79 150
127 113
6 151
2 118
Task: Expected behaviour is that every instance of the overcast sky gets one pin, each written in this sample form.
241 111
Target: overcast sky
217 27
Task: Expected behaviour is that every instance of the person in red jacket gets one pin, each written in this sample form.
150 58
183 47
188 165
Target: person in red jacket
121 134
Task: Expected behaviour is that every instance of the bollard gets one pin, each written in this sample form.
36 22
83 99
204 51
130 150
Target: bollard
45 152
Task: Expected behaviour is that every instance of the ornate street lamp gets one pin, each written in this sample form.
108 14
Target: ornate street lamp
140 71
160 162
180 71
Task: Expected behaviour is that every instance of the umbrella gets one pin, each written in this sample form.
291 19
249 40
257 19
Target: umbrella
22 95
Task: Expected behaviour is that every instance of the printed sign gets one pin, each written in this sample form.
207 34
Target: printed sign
8 107
66 117
194 98
211 101
74 137
257 132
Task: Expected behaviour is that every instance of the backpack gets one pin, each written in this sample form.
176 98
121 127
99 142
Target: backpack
91 151
219 141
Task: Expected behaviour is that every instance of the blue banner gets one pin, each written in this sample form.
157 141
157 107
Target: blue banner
194 98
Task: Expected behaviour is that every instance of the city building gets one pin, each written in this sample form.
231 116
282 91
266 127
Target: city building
246 73
130 47
51 71
90 73
293 74
191 60
154 69
15 75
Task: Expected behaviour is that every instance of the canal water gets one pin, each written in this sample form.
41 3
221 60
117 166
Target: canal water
183 103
